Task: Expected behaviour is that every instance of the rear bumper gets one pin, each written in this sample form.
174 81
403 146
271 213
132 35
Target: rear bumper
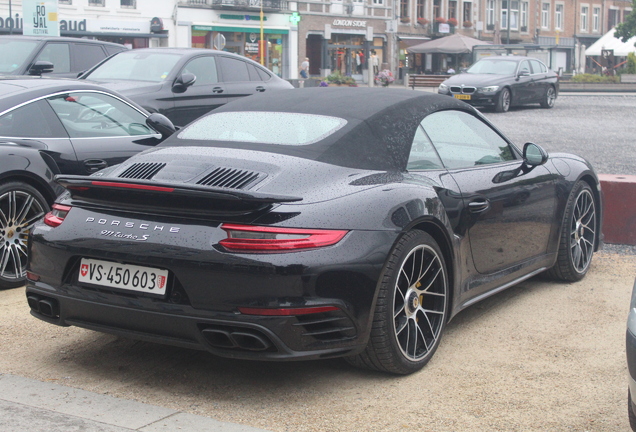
206 288
224 334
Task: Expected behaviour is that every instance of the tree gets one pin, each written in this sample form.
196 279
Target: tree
627 29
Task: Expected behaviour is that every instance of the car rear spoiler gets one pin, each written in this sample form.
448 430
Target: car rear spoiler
167 198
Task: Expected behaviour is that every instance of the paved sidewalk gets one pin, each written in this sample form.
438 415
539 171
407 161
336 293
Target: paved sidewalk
30 405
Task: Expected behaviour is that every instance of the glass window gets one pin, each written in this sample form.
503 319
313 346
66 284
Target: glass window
452 9
423 155
524 16
264 127
92 114
129 4
584 18
87 56
138 66
462 140
58 54
596 12
494 67
468 11
404 8
96 2
20 122
204 68
233 70
545 15
525 67
558 17
490 14
14 53
538 67
420 9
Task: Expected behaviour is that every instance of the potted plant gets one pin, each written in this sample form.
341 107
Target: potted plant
338 79
422 21
384 78
405 20
440 20
452 22
467 24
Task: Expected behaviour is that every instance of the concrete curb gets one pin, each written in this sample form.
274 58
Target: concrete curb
27 404
619 208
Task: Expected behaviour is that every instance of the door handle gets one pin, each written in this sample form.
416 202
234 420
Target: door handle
260 89
217 90
479 206
93 165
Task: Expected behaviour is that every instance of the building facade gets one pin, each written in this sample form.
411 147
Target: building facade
134 23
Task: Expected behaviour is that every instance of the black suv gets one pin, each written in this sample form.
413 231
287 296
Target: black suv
55 56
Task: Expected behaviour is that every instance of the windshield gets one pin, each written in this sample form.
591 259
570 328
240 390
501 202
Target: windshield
13 54
137 66
493 67
280 128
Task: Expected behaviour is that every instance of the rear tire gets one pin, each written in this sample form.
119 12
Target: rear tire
411 309
578 235
503 101
21 205
549 98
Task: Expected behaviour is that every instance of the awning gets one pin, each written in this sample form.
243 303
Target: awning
454 44
609 42
409 41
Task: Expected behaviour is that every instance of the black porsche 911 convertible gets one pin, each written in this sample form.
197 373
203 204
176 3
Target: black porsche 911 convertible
310 224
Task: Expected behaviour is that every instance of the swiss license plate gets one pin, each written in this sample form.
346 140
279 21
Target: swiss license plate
123 276
462 96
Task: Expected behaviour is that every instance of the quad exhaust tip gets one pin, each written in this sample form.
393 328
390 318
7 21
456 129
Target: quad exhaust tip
46 306
229 339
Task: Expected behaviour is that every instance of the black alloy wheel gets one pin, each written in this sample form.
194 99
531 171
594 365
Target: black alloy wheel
578 235
549 98
503 101
20 207
411 310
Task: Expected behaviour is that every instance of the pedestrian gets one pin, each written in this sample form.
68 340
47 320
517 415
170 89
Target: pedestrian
304 69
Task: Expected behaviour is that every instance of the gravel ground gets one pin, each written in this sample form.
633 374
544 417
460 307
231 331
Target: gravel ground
539 356
599 128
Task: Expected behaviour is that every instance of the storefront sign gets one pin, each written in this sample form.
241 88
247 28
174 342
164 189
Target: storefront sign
73 25
7 23
443 28
103 26
40 18
242 17
349 23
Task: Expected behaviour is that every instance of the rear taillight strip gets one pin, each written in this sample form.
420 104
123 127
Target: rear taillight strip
133 186
248 238
57 215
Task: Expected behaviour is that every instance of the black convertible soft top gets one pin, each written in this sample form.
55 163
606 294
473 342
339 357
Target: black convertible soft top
381 123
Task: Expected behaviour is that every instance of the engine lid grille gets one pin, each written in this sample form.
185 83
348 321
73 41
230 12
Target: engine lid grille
229 178
142 170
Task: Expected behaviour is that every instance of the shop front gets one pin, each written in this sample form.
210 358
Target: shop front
343 45
245 41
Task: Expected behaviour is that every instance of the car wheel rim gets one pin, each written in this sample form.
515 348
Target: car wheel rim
550 97
18 212
506 100
583 231
419 304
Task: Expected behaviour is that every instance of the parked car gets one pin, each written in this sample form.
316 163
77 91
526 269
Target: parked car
504 81
184 83
631 359
56 56
310 224
55 126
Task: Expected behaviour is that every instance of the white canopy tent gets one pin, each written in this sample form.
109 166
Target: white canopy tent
609 42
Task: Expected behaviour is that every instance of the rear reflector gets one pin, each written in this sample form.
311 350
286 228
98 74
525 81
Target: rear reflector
250 238
57 214
32 276
286 311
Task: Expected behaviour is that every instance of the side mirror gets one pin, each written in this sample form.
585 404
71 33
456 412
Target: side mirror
534 155
523 73
161 124
40 67
183 82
